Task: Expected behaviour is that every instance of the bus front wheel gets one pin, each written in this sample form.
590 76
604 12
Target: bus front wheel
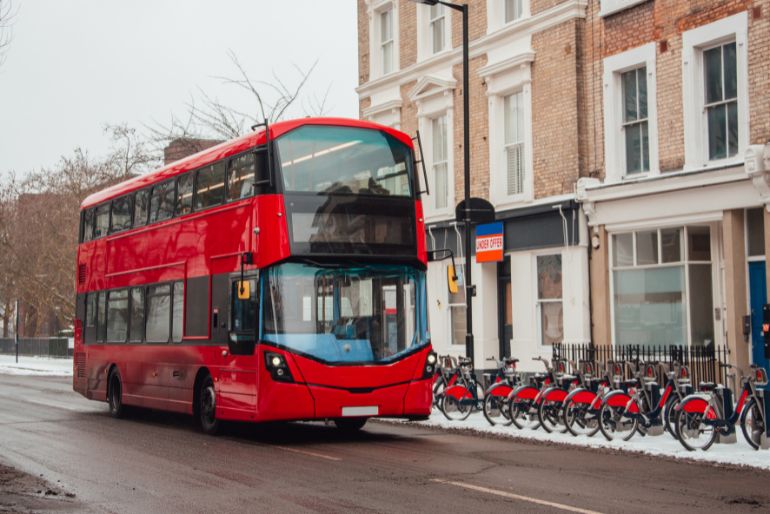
207 407
350 424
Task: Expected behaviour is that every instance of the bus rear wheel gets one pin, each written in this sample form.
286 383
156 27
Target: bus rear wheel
207 407
115 395
350 424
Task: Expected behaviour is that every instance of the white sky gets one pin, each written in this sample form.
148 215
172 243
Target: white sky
75 65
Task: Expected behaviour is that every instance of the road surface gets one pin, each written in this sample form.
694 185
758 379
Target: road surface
156 462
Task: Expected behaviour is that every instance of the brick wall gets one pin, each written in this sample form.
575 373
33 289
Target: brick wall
663 23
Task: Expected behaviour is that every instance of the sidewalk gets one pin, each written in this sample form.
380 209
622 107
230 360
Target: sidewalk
41 366
739 454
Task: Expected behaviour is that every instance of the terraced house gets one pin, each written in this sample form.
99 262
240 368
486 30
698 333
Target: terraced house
679 97
526 84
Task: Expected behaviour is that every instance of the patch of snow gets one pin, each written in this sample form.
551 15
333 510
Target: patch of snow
739 453
40 366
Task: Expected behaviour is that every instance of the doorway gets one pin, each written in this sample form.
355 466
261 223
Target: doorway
504 307
757 296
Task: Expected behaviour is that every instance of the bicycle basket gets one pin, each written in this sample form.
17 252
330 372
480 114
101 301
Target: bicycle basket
588 369
760 376
617 371
560 367
683 374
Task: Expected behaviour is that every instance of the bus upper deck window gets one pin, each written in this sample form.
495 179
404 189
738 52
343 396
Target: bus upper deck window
141 207
162 201
210 186
88 225
240 177
102 220
184 194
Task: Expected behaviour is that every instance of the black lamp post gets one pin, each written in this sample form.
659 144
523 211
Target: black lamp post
470 290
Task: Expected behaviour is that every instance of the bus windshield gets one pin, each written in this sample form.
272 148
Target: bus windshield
371 313
344 160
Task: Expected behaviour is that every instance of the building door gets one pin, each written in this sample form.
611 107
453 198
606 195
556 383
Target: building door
758 296
504 307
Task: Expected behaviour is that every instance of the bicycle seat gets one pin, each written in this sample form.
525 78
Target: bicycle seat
707 386
630 383
511 361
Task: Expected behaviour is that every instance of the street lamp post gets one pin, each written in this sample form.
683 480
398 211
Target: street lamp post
470 289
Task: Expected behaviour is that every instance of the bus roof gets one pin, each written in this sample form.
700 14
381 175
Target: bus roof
224 150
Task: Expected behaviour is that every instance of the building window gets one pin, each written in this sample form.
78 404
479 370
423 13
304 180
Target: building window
437 27
715 92
635 129
514 143
440 163
631 135
386 40
549 299
662 286
755 233
513 10
720 82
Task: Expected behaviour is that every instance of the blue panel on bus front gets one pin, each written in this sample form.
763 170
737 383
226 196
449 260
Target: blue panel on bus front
325 346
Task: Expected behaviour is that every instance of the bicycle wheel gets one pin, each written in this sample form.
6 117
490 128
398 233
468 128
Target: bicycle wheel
752 423
692 427
614 423
523 413
496 410
457 403
438 391
549 415
580 418
669 415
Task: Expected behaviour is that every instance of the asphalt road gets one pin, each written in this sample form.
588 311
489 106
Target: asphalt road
155 462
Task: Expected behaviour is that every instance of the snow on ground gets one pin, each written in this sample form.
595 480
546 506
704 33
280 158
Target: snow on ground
43 366
740 453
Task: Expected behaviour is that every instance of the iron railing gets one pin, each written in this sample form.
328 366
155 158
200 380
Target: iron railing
40 347
704 362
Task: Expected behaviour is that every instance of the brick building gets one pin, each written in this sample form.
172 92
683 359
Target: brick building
677 191
528 84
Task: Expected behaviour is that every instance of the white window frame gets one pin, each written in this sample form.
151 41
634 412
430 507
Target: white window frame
425 33
496 15
694 42
435 162
614 137
539 302
503 79
386 45
716 262
376 64
608 7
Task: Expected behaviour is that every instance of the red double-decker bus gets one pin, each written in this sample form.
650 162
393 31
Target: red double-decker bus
279 276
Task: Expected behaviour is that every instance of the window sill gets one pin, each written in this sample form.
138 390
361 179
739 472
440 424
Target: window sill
737 160
610 7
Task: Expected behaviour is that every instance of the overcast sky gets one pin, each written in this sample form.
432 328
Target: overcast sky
75 65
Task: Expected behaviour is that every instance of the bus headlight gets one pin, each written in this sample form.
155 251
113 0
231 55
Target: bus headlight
276 365
430 365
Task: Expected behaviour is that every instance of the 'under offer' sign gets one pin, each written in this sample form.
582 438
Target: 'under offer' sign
489 242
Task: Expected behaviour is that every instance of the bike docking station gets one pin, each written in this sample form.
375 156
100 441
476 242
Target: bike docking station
764 439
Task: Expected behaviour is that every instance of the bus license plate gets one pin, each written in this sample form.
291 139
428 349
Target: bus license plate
360 411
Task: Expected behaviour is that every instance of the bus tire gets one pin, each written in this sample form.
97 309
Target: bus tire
115 394
350 425
207 407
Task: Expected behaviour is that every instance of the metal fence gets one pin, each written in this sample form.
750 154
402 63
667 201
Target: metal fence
704 362
42 347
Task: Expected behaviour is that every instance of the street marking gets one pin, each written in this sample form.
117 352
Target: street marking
512 496
305 452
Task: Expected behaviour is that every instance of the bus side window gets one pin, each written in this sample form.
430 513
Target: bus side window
177 312
121 214
88 225
158 313
184 197
102 224
243 312
101 316
141 207
162 201
136 327
89 334
240 176
210 186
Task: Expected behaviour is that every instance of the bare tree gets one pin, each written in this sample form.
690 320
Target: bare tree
207 117
6 15
39 220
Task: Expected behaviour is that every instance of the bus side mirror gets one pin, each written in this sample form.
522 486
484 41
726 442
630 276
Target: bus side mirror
451 278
